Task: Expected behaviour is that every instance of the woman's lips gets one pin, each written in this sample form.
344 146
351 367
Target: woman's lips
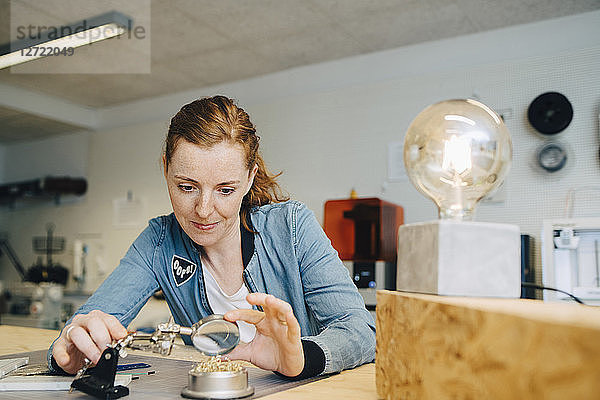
204 227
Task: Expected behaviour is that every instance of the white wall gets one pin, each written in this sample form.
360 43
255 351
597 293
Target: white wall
58 156
327 128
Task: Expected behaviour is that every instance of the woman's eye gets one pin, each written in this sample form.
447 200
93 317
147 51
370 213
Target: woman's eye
186 188
227 191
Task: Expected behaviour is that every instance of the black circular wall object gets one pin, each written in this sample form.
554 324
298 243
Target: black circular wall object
550 113
552 157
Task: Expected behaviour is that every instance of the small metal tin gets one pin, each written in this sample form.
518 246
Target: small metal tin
217 385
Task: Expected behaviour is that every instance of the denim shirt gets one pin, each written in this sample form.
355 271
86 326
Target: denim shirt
293 260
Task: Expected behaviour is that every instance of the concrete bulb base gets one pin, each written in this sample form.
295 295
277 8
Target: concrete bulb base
460 258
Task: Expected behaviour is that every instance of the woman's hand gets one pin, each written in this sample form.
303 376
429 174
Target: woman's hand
277 345
86 337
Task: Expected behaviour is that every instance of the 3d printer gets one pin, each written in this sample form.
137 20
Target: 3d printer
364 231
571 259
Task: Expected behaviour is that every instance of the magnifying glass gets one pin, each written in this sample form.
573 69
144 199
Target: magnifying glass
213 335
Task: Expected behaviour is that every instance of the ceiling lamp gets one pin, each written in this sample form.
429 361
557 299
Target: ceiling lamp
62 40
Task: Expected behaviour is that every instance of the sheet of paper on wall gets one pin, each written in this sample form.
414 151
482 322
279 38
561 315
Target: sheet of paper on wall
396 170
128 212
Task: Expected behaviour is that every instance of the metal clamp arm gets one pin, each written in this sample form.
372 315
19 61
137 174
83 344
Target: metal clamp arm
160 341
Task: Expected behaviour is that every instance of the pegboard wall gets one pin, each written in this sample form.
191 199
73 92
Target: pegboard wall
533 195
345 134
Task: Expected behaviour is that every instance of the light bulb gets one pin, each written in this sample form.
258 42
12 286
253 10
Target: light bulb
455 152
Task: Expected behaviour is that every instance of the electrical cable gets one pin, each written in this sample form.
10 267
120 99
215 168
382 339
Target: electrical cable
540 287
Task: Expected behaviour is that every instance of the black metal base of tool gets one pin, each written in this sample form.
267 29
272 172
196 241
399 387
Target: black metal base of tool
100 382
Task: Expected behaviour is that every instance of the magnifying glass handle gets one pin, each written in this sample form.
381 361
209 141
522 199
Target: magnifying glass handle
184 330
172 327
212 335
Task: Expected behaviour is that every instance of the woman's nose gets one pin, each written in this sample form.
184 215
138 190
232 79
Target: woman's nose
204 207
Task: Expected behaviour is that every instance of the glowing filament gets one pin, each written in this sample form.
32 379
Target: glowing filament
457 155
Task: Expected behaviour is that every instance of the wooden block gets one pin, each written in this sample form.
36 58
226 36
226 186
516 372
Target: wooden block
434 347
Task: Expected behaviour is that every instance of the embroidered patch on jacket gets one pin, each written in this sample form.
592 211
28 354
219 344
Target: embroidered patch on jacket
182 270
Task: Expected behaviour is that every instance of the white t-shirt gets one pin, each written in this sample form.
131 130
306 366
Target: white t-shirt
221 303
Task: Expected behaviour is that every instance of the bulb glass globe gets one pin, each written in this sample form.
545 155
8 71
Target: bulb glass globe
455 152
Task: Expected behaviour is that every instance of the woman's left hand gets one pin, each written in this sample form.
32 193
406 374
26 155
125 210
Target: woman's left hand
277 345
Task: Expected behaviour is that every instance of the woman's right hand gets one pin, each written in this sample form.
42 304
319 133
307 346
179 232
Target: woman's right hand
86 337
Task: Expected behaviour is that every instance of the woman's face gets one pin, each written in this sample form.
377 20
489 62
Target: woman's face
206 187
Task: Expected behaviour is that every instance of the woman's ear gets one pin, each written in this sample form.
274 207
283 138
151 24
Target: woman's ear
164 164
251 176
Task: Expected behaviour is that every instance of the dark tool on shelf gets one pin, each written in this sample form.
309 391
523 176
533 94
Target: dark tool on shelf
49 272
50 187
40 272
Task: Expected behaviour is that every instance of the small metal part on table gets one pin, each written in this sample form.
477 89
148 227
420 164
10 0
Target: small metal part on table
32 370
9 365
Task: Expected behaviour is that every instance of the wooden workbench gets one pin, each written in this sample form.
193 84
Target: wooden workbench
441 347
358 383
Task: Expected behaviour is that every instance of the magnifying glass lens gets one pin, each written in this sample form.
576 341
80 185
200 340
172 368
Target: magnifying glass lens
215 336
